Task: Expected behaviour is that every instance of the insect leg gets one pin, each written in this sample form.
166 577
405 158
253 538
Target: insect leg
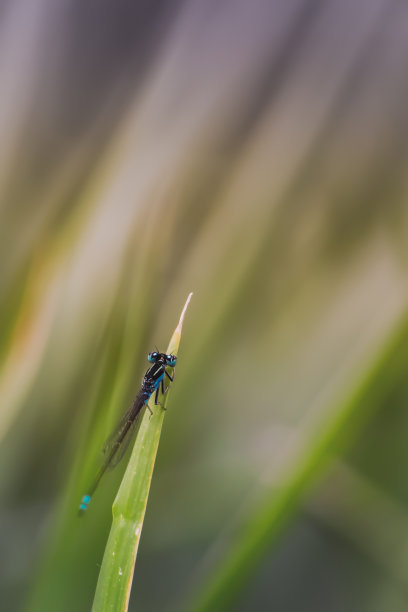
148 407
156 397
171 378
163 390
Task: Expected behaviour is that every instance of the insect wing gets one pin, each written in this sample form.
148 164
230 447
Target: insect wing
117 443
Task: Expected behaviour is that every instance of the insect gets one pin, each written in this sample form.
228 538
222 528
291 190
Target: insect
117 443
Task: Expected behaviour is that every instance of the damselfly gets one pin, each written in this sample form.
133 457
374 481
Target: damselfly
117 443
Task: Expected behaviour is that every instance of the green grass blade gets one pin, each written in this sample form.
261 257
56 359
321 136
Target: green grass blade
262 527
129 507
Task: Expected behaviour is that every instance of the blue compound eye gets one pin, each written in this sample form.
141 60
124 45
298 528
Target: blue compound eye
152 357
171 360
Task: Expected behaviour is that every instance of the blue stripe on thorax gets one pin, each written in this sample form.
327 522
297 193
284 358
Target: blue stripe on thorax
157 382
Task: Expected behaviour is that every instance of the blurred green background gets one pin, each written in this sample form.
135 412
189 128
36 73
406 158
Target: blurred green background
254 153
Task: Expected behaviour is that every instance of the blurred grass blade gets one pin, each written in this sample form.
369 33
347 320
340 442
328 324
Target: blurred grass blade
259 530
115 577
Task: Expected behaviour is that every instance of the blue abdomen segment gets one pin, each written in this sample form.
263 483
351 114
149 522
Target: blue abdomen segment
84 503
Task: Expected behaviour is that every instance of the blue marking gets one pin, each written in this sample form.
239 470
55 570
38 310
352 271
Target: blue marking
158 381
86 499
82 507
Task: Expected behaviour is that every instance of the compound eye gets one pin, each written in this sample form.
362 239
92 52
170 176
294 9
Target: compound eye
152 357
171 360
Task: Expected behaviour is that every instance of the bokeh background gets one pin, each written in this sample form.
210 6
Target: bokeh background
254 153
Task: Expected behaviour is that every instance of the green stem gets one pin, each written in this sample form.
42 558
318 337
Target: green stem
129 507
